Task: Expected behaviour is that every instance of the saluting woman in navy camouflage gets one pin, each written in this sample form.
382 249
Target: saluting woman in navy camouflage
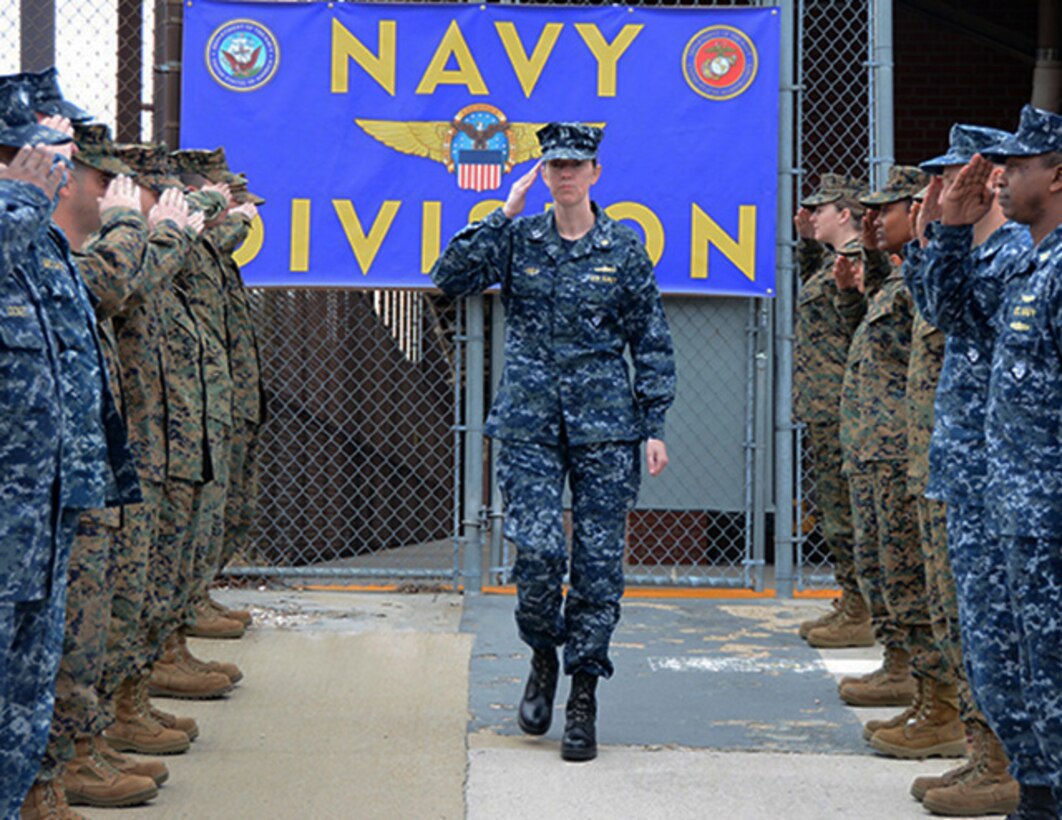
578 290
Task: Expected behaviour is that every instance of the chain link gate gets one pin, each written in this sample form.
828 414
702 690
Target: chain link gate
365 455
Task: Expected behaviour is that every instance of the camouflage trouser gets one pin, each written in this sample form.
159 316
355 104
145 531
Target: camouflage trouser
31 646
1034 581
833 503
211 534
604 480
866 558
990 640
172 563
940 596
889 558
88 616
241 504
128 576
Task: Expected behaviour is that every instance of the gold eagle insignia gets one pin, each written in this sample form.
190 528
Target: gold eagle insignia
433 139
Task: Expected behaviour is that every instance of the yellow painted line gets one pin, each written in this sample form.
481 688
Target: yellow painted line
665 592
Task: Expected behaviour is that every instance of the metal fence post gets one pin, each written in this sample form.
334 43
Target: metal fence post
472 508
881 61
783 466
166 102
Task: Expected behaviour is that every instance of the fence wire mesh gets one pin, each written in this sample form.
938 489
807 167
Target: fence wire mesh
834 118
357 464
360 461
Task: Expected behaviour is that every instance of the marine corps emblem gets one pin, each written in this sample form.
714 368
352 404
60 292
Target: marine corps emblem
479 145
720 62
242 55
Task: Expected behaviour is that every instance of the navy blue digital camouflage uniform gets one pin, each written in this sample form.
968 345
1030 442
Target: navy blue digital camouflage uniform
1015 311
958 467
32 571
566 408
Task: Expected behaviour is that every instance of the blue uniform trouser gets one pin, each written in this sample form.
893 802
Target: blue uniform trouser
604 480
1034 581
994 645
31 646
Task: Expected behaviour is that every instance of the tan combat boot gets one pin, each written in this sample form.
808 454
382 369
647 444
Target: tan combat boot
135 731
155 769
186 659
988 789
89 780
892 685
47 801
241 615
908 714
209 624
921 785
170 679
165 719
851 628
934 731
836 605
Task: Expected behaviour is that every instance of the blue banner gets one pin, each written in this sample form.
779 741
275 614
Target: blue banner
375 131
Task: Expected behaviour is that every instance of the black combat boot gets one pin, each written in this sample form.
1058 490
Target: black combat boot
536 708
580 739
1035 803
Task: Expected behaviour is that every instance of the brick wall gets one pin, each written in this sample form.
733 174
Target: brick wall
944 76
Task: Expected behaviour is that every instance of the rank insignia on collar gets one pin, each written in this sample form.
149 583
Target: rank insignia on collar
1019 369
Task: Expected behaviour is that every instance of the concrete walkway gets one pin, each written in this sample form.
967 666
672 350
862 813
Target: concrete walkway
401 706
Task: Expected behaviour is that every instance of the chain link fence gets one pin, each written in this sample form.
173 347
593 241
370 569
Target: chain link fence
363 453
834 114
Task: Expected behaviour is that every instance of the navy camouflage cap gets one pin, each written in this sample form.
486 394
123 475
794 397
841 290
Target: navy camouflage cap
47 98
209 164
96 150
965 141
569 140
1039 132
152 164
18 121
215 167
904 182
240 193
833 187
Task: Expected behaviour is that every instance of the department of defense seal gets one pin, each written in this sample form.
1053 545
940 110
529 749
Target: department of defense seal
242 55
720 62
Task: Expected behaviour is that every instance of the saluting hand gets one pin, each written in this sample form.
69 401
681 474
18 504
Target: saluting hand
514 205
870 230
222 189
802 222
844 273
172 206
34 166
63 126
970 197
196 220
122 192
247 209
655 456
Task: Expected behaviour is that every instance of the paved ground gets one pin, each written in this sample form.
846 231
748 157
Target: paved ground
400 706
